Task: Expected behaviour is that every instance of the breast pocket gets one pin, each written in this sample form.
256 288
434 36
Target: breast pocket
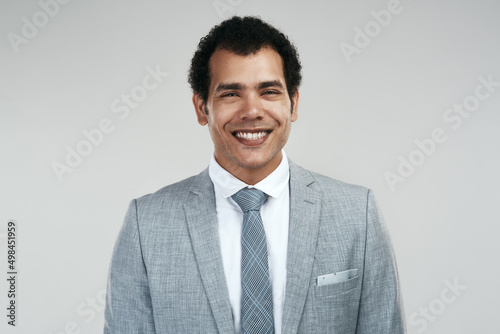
335 283
333 308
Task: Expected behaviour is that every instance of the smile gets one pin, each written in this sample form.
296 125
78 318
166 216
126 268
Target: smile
251 135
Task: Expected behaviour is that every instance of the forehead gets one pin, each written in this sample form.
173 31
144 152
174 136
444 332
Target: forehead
228 67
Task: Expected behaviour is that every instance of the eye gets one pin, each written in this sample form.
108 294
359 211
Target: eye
229 94
270 92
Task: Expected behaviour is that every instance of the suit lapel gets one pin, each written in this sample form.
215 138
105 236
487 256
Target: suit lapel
201 218
304 222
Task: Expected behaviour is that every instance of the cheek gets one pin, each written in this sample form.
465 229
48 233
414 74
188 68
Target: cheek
283 116
217 126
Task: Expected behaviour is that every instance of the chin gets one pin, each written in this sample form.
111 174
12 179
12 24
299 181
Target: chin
253 162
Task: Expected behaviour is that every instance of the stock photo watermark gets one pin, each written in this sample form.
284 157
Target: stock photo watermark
94 137
365 34
421 319
87 311
225 8
12 272
454 117
32 25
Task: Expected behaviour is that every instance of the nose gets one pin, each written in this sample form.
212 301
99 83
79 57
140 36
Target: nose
251 108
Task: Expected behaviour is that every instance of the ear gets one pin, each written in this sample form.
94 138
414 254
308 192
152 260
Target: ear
199 107
295 107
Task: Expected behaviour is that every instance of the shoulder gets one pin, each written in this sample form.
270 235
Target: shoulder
176 193
328 185
337 197
343 202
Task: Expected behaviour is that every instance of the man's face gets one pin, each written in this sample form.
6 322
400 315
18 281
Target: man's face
249 112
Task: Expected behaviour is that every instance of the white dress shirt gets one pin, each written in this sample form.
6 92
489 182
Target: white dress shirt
275 217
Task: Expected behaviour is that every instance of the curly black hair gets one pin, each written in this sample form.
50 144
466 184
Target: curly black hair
243 36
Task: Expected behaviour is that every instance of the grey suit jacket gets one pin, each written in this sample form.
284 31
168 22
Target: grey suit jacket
166 273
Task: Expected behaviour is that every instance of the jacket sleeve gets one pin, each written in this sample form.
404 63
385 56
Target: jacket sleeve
128 300
381 305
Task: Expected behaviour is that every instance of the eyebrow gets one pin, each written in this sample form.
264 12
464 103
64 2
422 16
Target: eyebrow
229 86
272 83
238 86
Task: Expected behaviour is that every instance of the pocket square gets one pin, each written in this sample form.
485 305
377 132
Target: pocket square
337 277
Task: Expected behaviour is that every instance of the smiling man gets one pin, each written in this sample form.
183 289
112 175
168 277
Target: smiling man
254 243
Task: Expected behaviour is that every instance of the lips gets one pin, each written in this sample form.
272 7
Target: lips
251 137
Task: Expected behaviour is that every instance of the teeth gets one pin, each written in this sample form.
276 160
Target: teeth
251 136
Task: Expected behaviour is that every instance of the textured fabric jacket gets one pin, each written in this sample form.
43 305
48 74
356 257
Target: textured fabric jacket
166 273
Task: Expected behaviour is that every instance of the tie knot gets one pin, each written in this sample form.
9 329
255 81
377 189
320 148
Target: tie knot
250 199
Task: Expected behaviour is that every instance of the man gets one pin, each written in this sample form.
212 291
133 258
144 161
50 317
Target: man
255 243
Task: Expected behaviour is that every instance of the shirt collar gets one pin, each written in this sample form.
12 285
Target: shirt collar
227 184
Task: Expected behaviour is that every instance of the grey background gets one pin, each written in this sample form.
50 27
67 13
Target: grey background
355 119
